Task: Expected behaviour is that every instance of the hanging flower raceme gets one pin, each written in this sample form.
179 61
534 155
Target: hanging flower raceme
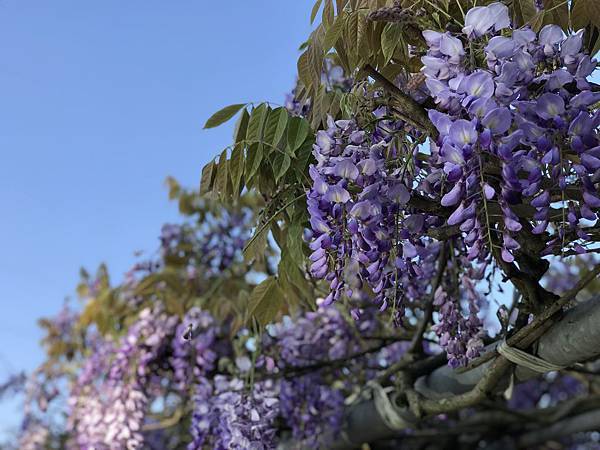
362 233
526 111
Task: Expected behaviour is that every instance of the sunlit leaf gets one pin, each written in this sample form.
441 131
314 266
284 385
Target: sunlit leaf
223 115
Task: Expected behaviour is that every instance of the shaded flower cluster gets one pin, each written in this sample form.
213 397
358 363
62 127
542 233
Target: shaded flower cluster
361 234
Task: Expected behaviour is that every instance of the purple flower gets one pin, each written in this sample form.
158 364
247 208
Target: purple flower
477 85
498 120
337 194
550 106
488 191
451 47
463 132
346 169
453 196
482 19
542 200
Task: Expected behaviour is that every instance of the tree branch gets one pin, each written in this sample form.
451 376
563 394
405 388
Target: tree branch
410 111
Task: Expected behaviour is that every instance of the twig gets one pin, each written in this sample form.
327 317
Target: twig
417 341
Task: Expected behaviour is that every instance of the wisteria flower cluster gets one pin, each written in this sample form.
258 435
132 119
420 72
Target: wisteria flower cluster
526 110
361 236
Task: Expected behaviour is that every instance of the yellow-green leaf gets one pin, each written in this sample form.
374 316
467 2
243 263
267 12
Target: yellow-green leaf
315 10
256 246
265 301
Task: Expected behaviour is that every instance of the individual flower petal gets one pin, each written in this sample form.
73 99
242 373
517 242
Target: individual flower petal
441 121
512 224
457 216
591 199
571 47
346 169
463 132
453 196
498 120
399 193
477 85
550 36
541 200
364 210
507 256
590 162
501 47
452 47
550 106
337 194
482 19
324 142
488 191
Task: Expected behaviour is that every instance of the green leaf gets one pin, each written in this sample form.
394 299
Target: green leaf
296 134
305 72
236 168
223 115
315 10
255 248
206 179
334 32
222 175
275 126
302 157
241 126
257 122
265 301
294 242
579 14
253 159
281 164
174 188
390 38
147 286
328 13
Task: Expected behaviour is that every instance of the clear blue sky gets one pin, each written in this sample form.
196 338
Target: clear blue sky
99 102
